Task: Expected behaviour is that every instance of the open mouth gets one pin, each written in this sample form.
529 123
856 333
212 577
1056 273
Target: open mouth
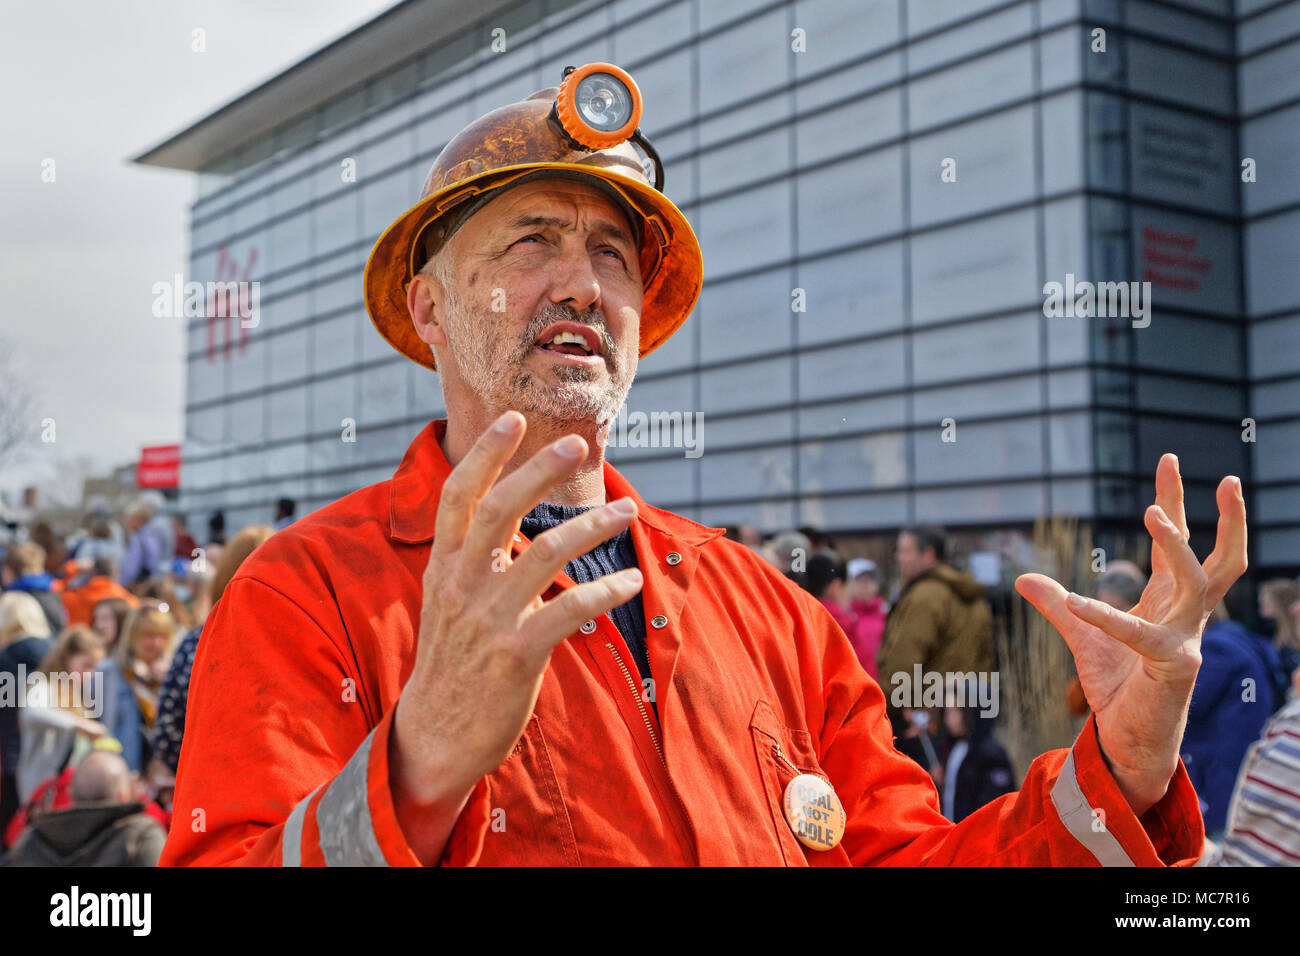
571 342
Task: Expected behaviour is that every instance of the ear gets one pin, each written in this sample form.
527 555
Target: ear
426 301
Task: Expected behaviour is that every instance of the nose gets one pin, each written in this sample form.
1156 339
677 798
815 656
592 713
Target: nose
574 281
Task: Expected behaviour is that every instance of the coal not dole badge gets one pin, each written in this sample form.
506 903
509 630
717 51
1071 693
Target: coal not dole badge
814 812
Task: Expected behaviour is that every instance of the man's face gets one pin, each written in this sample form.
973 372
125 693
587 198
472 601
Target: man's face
549 256
911 560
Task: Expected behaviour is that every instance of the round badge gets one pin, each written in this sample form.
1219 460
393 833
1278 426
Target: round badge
814 812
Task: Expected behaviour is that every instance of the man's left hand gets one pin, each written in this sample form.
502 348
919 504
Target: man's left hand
1138 668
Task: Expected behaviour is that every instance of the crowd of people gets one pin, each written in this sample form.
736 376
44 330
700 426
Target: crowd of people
1240 746
98 632
99 629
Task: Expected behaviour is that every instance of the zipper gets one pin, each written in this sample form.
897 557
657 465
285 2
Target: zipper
779 754
649 726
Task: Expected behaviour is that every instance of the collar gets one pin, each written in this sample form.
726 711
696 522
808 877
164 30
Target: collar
417 486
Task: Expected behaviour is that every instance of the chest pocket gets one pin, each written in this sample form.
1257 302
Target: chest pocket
782 754
530 823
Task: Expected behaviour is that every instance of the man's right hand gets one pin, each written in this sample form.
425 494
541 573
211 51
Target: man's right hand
486 636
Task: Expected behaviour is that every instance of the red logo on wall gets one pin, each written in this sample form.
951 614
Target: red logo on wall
159 467
228 270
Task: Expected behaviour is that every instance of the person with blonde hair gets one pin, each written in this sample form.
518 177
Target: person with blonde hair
133 677
1276 598
24 642
57 723
170 726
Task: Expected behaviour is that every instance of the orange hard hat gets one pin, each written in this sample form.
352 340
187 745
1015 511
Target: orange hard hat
585 128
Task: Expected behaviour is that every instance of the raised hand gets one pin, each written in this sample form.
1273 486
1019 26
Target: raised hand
1138 668
486 636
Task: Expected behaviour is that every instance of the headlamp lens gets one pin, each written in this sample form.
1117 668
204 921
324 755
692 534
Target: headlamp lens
603 102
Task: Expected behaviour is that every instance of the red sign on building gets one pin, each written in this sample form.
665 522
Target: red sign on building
159 467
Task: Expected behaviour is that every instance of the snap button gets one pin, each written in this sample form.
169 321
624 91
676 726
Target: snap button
674 558
814 812
588 626
517 538
658 621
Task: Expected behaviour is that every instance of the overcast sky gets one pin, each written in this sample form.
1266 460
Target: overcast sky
90 84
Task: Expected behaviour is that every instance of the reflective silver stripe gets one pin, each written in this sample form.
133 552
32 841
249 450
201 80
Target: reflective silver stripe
291 839
1077 816
347 835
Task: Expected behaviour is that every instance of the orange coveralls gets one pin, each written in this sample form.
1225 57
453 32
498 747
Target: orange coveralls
285 754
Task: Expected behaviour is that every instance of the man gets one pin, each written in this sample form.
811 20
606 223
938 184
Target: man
146 554
106 826
412 675
85 590
23 569
284 511
941 620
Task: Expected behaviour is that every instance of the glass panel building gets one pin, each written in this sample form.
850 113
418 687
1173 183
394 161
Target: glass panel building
881 188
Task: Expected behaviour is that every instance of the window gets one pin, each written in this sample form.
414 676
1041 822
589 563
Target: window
851 464
760 472
746 230
743 61
982 450
850 128
979 84
1021 501
1273 139
843 31
987 347
751 385
1191 262
1019 393
332 400
1275 347
976 267
288 356
851 201
744 161
288 415
994 166
334 343
291 241
383 200
1183 159
1188 79
667 94
640 40
874 366
745 316
852 294
1062 142
337 222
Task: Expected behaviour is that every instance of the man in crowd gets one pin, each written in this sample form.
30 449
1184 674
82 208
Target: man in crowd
106 826
505 656
941 620
23 569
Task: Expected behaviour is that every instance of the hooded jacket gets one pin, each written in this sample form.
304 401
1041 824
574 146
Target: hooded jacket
285 757
119 834
942 623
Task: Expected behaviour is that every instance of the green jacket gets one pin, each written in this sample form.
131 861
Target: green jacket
942 622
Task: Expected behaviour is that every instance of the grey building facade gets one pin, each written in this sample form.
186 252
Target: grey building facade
881 188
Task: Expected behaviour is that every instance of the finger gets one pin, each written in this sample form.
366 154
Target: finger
1187 606
549 552
562 615
1049 598
1227 561
498 514
473 475
1169 492
1149 640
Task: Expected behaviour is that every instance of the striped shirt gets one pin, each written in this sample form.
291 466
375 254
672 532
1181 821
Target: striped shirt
1264 817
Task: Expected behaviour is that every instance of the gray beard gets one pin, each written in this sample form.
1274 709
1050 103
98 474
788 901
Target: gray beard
500 381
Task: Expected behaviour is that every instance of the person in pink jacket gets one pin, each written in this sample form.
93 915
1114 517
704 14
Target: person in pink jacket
868 608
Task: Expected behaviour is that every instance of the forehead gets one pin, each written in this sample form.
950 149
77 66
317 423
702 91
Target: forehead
553 197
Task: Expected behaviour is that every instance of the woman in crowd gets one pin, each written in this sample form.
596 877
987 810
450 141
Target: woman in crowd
24 643
107 619
170 725
1275 600
133 678
57 724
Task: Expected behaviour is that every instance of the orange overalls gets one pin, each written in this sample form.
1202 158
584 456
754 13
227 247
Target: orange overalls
285 754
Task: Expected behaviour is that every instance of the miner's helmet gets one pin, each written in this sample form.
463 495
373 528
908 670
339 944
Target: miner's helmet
586 128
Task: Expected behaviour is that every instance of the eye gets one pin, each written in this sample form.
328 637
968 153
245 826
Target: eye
616 252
